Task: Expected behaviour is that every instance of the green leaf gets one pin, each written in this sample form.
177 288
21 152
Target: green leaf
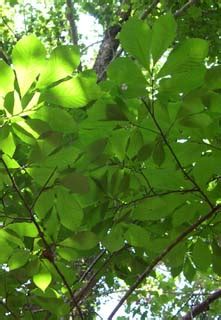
175 258
69 210
64 157
151 209
185 214
11 163
128 77
145 152
118 142
201 255
84 240
74 93
10 239
213 78
24 229
185 58
28 58
76 182
188 270
40 175
7 142
18 259
135 38
184 69
62 62
158 153
7 78
57 118
6 250
163 34
114 240
137 236
43 278
201 120
44 203
67 254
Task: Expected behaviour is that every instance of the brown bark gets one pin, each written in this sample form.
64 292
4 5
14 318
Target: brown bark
203 306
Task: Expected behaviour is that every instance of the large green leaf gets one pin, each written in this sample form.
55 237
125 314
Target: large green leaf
135 38
56 118
24 229
69 210
129 78
62 62
185 58
28 58
163 34
137 236
18 259
74 93
114 240
76 182
201 255
83 240
184 69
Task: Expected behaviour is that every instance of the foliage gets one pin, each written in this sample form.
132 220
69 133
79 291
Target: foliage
112 180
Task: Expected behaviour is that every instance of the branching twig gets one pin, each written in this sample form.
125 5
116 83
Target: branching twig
42 236
162 255
43 188
203 306
188 177
180 11
73 26
97 258
154 195
83 293
149 9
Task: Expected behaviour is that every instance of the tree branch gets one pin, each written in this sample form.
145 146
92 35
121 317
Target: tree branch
71 20
203 306
162 255
180 11
73 27
149 9
93 263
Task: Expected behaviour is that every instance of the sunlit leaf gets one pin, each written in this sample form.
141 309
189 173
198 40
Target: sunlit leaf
135 38
43 278
28 58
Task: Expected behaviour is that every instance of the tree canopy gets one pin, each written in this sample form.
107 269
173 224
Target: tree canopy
110 174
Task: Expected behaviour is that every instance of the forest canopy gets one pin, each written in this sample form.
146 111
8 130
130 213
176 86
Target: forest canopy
110 152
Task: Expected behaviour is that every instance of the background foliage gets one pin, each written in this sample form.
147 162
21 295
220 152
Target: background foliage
110 176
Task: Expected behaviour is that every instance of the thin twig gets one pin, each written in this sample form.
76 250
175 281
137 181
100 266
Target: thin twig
162 255
97 258
43 188
82 294
149 9
195 184
180 11
149 196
